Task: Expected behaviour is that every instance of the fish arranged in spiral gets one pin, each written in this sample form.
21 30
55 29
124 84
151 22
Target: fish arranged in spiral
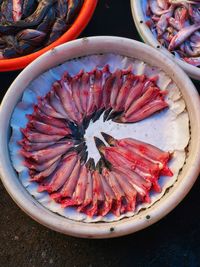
28 25
55 152
176 25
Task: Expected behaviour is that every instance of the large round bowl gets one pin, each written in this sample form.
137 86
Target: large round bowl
78 48
148 37
77 27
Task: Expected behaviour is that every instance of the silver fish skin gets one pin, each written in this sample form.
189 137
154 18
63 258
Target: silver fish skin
163 4
163 21
153 4
191 50
182 35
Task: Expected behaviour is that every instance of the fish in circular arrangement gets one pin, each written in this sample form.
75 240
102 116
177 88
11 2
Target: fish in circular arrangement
28 25
53 148
176 25
59 166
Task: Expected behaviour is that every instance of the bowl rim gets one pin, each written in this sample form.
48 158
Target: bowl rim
98 230
76 28
147 36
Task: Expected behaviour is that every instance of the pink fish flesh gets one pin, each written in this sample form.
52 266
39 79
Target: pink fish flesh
76 91
145 111
124 91
98 195
37 137
42 117
109 197
39 176
88 194
48 153
129 190
48 129
116 87
45 107
65 94
70 185
39 167
61 173
151 94
80 189
117 189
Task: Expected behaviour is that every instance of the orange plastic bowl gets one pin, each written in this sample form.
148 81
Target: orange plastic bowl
77 27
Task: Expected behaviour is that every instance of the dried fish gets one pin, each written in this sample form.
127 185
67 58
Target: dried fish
6 10
61 174
176 24
74 7
48 153
34 37
58 28
34 23
37 137
28 7
128 169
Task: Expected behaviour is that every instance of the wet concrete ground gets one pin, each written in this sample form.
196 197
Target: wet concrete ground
174 241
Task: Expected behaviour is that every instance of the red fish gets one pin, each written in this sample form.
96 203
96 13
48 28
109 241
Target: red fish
61 173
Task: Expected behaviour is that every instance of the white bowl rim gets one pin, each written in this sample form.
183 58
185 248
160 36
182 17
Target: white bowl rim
147 36
99 230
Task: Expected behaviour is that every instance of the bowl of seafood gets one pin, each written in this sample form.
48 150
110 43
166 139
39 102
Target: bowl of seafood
173 27
100 137
28 28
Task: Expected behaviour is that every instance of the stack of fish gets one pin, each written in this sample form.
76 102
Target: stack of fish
28 25
55 152
176 24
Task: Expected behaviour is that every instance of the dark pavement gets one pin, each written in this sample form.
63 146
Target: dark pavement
172 242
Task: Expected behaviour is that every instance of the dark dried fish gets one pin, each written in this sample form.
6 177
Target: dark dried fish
34 37
114 114
11 41
62 8
41 11
106 114
28 7
97 114
59 27
2 43
6 10
22 49
74 7
48 21
51 18
10 27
